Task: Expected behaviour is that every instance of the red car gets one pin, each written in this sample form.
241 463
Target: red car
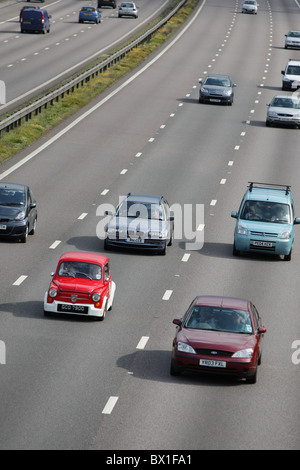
81 285
220 335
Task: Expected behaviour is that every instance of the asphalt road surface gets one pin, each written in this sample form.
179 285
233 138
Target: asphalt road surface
70 383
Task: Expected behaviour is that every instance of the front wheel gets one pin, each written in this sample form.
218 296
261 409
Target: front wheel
289 256
235 252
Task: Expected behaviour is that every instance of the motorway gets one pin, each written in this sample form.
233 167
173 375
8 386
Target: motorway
76 384
32 63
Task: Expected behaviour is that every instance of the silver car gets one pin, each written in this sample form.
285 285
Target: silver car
216 88
141 222
292 39
284 110
250 6
128 9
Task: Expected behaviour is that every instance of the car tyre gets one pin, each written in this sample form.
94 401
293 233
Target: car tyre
235 252
288 257
252 379
268 124
33 230
25 236
163 252
174 371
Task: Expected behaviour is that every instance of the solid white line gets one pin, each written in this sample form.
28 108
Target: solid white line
19 280
110 405
55 244
102 102
167 295
142 342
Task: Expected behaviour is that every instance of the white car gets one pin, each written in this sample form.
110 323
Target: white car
128 9
291 75
292 39
284 110
250 6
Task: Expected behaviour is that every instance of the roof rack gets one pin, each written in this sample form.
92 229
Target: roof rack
279 186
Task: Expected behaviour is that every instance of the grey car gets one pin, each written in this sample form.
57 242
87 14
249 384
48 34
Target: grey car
141 222
284 110
292 39
18 211
128 9
216 88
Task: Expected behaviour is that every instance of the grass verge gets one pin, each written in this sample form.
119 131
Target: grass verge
21 137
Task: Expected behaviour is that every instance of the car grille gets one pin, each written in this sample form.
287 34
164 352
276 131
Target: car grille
264 234
2 219
285 115
213 352
134 233
65 296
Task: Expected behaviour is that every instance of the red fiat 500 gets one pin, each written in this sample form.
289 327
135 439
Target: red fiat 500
220 335
81 285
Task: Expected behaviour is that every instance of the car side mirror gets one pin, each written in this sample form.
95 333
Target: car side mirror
234 215
50 16
108 213
282 72
200 81
177 322
52 274
32 205
262 330
106 277
234 84
297 220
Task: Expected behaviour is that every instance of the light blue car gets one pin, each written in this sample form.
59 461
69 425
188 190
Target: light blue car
89 14
265 220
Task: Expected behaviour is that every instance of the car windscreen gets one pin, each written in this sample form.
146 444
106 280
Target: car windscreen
294 34
219 319
266 211
293 70
11 197
142 210
80 269
285 103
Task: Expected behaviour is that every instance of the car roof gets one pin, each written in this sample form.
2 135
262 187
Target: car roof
267 193
217 75
144 198
293 62
222 302
17 187
84 256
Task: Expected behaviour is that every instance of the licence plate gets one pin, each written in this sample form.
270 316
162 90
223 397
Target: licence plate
215 100
211 363
3 227
267 244
137 240
72 308
26 22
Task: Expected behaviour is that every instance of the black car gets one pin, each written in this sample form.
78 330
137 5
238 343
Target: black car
18 212
141 222
107 3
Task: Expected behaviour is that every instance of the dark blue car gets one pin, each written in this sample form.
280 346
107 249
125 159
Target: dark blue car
35 21
89 14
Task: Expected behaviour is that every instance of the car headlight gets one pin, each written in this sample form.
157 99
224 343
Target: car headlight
242 230
286 235
244 353
20 216
112 230
186 348
96 297
272 114
52 293
227 92
154 234
204 90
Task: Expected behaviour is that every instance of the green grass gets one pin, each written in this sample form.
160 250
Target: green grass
25 135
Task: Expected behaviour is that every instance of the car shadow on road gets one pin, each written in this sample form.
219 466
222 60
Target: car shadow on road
224 250
155 365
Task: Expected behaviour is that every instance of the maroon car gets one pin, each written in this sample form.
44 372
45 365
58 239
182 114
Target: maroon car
220 335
